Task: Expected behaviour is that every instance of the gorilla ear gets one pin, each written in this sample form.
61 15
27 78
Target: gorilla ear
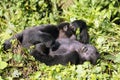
65 28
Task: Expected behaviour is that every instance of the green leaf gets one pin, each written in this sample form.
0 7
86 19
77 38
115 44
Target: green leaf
93 76
0 58
17 57
36 75
3 65
109 57
100 40
1 78
117 59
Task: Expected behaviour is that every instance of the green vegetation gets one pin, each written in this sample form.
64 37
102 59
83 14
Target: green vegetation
103 18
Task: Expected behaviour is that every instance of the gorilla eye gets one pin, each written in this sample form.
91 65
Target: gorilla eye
84 49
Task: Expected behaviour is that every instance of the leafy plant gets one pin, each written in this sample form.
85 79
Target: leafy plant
102 18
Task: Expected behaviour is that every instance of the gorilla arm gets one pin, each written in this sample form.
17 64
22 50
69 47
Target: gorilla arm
7 44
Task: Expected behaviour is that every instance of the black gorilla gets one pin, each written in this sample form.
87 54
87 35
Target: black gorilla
83 36
68 50
60 51
46 34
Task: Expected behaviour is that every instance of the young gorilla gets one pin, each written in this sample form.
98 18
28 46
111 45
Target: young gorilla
52 52
34 35
68 50
61 55
80 26
46 34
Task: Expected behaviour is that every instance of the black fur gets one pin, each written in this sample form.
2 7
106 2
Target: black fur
46 34
41 34
83 36
68 50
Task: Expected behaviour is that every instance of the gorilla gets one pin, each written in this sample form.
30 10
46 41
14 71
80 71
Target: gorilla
46 34
68 50
82 34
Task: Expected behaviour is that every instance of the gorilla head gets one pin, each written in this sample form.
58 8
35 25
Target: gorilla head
88 53
65 31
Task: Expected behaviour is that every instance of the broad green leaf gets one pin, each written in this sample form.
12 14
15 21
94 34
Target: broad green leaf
117 59
3 65
36 75
1 78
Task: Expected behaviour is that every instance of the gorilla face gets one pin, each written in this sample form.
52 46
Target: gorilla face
65 31
88 53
